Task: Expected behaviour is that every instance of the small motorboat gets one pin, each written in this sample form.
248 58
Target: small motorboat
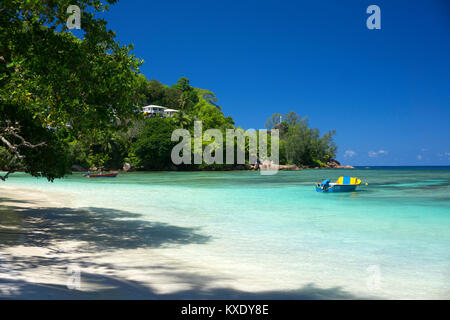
103 175
343 184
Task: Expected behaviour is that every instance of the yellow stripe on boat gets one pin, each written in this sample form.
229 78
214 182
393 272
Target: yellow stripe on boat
349 181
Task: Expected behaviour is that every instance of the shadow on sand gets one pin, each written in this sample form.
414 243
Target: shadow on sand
100 228
125 290
109 229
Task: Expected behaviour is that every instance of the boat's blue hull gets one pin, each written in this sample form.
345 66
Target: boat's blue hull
338 188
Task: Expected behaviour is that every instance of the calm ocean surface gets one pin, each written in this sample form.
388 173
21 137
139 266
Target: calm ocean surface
388 239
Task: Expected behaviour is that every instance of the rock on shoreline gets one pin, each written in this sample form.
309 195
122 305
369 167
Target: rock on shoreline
127 167
334 164
288 167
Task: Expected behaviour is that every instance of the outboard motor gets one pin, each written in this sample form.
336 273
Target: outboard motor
325 184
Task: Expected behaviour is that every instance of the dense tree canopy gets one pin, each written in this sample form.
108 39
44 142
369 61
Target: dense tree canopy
153 145
51 80
146 143
300 144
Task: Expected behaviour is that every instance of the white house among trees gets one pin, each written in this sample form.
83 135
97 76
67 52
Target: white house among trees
153 110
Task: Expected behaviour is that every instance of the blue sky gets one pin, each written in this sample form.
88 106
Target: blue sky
386 92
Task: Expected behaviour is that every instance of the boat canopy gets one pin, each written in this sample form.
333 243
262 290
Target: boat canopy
346 180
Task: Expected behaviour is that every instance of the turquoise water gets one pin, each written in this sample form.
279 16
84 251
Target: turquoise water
280 228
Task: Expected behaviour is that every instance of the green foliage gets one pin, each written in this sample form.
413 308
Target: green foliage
54 80
132 159
300 144
141 144
209 97
274 120
8 160
48 160
153 146
211 117
183 85
154 92
282 152
180 96
319 163
183 120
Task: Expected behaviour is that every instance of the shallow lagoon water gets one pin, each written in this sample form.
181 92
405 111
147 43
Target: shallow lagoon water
390 239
